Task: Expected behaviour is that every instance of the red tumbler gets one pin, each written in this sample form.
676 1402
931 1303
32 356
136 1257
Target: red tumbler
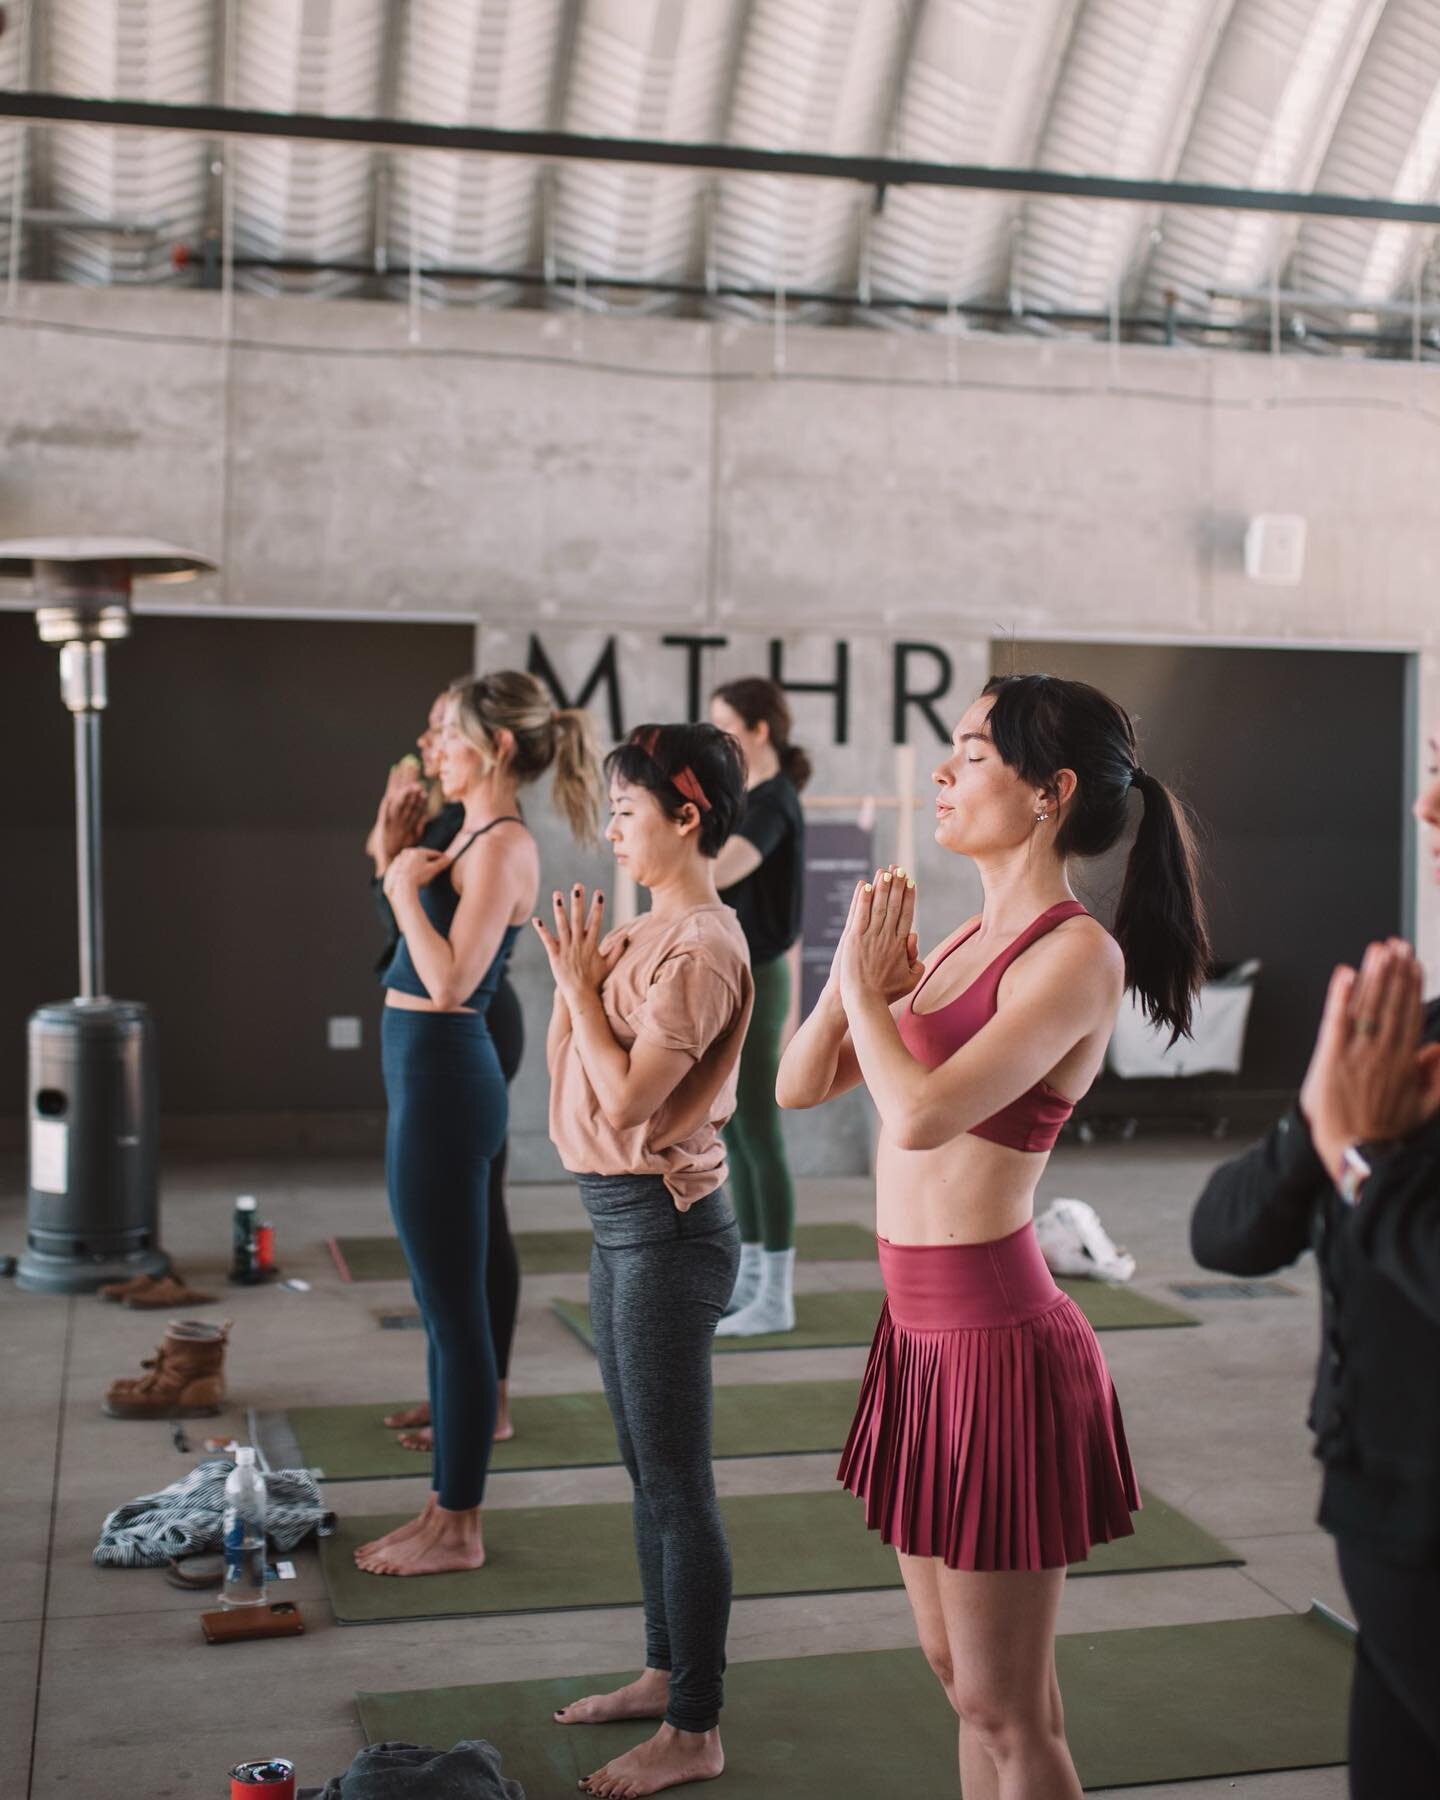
273 1778
264 1248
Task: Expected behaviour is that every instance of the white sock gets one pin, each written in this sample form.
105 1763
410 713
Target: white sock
747 1279
773 1308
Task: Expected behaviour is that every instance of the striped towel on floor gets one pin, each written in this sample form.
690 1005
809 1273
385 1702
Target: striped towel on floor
186 1517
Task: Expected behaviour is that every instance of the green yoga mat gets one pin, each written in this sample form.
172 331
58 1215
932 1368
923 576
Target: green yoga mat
559 1558
568 1252
829 1320
1158 1703
573 1431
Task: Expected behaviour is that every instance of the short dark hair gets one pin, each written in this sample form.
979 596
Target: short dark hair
653 755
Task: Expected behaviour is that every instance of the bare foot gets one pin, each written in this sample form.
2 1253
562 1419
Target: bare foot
504 1429
423 1439
669 1759
401 1532
408 1415
644 1698
448 1542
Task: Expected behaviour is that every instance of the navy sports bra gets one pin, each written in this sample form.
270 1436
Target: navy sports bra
440 902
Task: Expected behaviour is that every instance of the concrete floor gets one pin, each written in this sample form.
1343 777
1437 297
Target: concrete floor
106 1687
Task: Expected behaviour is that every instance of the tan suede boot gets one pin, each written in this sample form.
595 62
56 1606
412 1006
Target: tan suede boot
158 1292
122 1290
185 1378
166 1292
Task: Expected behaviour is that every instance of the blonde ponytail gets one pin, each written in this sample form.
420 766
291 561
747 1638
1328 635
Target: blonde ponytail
545 737
575 788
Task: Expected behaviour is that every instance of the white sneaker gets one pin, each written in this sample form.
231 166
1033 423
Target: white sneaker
1074 1242
773 1308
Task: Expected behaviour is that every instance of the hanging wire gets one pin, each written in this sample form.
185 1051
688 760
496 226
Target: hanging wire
230 25
227 182
577 315
17 186
412 290
707 227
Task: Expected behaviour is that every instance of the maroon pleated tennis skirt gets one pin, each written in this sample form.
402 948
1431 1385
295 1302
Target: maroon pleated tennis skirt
987 1431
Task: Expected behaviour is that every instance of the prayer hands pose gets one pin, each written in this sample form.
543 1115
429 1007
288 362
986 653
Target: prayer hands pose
413 869
1370 1077
400 819
877 953
577 962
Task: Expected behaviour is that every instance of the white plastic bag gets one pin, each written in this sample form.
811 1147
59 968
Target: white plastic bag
1074 1242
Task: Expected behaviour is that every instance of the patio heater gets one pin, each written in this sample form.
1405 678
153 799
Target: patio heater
93 1208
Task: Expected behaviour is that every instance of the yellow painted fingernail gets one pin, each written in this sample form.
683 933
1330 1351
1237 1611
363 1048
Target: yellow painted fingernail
869 887
899 871
909 884
885 876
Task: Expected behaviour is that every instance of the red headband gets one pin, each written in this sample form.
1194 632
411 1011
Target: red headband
684 781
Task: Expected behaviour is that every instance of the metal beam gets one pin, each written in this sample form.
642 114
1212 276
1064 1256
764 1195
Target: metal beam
566 146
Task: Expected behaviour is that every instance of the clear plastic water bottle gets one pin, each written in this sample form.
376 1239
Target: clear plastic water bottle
244 1533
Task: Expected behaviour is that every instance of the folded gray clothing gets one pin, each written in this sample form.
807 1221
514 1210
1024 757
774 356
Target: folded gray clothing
393 1771
187 1516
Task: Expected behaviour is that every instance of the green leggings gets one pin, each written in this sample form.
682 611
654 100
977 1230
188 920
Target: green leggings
761 1190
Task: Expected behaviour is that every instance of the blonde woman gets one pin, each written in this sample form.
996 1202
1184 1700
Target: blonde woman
459 912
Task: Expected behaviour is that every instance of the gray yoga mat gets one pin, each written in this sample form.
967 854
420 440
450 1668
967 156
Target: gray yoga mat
1157 1703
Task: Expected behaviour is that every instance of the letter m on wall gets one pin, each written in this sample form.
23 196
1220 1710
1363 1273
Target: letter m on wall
605 670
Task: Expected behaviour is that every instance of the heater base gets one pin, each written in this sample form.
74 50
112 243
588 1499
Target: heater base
40 1272
44 1273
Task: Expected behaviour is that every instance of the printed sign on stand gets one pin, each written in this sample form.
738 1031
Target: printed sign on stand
836 857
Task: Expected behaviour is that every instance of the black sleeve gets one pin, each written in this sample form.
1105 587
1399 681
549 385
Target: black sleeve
1254 1215
1396 1225
763 824
386 917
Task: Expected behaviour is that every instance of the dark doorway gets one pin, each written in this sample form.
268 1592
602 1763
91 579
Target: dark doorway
1294 763
243 763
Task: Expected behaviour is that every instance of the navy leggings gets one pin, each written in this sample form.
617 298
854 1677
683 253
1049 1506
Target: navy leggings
502 1265
448 1113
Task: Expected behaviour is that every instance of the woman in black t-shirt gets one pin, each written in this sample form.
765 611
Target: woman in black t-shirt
760 872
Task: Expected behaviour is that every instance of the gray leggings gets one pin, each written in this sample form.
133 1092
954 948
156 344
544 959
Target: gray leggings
659 1281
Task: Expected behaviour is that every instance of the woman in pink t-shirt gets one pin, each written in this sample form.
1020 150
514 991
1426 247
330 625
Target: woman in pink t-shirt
643 1051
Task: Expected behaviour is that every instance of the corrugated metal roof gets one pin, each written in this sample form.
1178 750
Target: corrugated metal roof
1339 95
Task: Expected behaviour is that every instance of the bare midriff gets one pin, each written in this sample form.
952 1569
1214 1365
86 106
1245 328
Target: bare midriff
415 1003
970 1189
965 1192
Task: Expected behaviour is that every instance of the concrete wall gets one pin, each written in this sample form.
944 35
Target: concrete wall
578 477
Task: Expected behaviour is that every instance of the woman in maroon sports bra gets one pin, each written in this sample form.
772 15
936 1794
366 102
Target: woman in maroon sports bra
987 1445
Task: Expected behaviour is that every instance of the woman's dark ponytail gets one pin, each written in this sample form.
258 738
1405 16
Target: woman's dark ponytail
1160 920
794 765
1041 724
